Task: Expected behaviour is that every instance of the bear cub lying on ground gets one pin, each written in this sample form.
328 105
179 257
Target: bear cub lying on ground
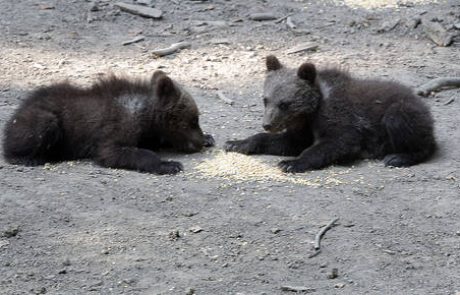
117 122
327 116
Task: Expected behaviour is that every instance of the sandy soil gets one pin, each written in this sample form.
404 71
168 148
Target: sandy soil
76 228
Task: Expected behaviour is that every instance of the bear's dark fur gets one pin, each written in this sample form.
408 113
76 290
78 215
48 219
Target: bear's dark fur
327 116
117 122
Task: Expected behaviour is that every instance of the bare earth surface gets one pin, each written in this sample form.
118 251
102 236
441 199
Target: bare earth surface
76 228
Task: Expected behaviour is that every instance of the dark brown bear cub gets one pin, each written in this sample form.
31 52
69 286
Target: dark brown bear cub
327 116
117 122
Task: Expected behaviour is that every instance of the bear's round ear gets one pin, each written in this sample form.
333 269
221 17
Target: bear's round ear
307 71
272 63
157 74
165 88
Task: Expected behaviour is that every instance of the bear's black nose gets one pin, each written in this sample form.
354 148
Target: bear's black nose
267 127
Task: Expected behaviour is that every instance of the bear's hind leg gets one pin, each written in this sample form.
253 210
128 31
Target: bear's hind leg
410 132
30 137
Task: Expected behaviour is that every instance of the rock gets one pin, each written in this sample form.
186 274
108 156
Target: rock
134 40
11 232
339 285
41 290
275 230
413 22
190 291
140 10
261 16
195 229
388 25
303 47
457 26
174 235
66 262
94 7
437 33
334 274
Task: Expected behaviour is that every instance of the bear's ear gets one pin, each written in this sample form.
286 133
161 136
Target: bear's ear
307 71
157 74
272 63
165 90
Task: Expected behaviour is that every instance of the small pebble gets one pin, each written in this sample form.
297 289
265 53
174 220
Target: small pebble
334 274
195 229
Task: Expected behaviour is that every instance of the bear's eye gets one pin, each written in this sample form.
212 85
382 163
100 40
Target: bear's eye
194 123
283 106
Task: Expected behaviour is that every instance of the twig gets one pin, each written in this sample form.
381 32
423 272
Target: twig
436 84
172 49
134 40
140 10
290 23
314 254
320 234
449 101
297 289
261 16
309 46
283 18
225 99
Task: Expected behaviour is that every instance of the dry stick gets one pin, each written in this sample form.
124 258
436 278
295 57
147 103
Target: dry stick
283 18
320 234
449 101
436 84
297 289
171 49
225 99
314 254
290 23
261 16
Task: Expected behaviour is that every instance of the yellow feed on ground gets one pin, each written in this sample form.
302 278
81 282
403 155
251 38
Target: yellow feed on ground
243 168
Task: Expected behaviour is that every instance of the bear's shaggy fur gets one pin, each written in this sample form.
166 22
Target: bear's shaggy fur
117 122
327 116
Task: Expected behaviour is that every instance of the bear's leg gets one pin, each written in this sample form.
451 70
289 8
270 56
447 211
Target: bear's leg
410 132
31 136
322 154
133 158
282 144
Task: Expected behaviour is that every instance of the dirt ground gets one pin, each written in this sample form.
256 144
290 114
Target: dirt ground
76 228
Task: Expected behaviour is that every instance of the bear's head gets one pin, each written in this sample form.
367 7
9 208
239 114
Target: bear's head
290 95
177 115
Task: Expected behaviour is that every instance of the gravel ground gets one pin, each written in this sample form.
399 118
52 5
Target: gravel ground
76 228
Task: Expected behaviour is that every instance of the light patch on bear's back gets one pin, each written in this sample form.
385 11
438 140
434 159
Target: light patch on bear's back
132 103
325 88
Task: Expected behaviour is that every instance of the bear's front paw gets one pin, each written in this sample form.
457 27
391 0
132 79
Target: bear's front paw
292 166
169 167
239 146
396 160
209 140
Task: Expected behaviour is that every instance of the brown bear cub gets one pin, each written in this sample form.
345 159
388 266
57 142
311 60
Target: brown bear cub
117 122
327 116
